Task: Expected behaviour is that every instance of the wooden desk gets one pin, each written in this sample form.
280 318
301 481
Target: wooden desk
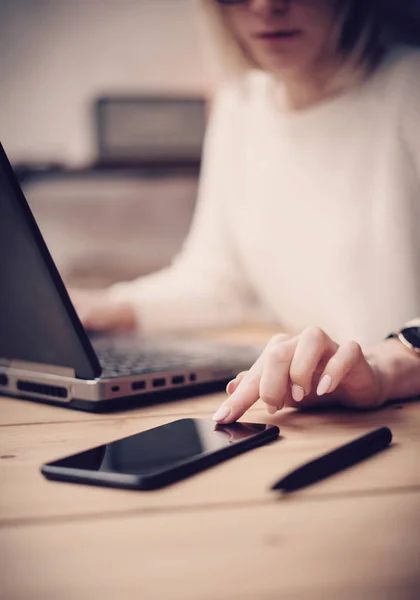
220 534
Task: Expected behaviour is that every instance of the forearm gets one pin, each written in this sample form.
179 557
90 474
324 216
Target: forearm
399 368
205 286
179 299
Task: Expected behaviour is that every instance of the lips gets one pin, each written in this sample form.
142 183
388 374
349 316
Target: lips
280 34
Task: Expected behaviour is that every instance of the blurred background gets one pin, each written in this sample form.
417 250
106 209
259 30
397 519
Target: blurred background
103 109
102 113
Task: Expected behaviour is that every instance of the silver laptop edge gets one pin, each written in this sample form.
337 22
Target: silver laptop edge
54 387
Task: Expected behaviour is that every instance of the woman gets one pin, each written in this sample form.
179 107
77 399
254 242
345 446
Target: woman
307 210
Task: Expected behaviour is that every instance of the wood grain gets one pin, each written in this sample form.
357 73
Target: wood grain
24 412
26 495
366 550
221 534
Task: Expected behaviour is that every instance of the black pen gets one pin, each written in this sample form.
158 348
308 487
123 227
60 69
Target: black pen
335 461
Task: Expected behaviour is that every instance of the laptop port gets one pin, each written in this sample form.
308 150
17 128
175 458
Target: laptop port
3 379
138 385
115 388
159 382
178 379
193 377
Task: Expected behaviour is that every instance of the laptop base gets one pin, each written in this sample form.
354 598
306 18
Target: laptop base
130 402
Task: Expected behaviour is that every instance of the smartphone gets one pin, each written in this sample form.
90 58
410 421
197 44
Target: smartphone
156 457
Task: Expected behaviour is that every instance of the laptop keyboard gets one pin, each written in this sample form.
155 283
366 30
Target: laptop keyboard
118 362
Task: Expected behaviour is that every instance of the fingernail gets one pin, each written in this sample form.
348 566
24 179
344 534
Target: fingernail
271 409
298 393
324 385
222 413
230 383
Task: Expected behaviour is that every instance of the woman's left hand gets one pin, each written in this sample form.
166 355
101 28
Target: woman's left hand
305 370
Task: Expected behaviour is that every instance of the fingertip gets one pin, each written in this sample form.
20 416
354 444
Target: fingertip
222 414
243 393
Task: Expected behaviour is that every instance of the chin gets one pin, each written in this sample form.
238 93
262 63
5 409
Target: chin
283 64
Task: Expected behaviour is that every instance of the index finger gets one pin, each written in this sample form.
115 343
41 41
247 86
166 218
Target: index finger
248 391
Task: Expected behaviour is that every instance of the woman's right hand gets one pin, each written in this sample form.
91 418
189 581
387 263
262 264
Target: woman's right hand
305 370
98 312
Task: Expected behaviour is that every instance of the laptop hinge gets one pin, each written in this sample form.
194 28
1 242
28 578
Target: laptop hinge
38 367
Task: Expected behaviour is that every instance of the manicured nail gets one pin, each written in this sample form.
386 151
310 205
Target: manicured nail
222 413
324 385
271 409
298 393
229 384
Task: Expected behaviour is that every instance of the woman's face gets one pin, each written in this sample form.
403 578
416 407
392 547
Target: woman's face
286 35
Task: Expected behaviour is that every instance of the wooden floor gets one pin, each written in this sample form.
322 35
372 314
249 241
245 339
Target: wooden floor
221 534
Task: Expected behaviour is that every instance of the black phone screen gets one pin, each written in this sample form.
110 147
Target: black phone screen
163 449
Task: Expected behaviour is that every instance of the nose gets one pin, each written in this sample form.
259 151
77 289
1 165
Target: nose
268 8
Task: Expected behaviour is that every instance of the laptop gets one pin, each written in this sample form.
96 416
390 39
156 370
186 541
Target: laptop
47 355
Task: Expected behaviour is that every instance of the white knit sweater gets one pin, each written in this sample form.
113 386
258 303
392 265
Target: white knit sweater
310 216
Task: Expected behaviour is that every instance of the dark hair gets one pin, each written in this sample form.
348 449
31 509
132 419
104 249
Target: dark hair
361 23
377 22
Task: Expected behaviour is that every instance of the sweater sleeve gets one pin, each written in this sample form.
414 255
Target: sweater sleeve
410 119
410 109
205 285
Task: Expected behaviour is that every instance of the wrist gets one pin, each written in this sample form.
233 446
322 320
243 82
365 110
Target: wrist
398 369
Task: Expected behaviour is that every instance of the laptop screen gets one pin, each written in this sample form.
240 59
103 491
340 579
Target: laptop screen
37 320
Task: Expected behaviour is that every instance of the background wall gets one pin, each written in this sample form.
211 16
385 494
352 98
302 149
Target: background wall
56 55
